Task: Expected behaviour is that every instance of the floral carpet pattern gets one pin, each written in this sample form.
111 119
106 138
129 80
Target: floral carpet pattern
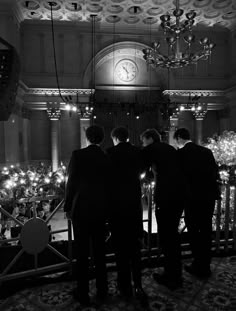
218 293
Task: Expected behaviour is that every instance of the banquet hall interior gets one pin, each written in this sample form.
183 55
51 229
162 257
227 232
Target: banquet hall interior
69 64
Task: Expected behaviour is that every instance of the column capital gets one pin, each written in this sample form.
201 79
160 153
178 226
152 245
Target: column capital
174 116
199 115
53 113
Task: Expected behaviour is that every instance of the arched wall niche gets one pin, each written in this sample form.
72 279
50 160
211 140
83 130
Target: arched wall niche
106 61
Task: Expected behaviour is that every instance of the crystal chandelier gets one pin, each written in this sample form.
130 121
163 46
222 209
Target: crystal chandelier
174 30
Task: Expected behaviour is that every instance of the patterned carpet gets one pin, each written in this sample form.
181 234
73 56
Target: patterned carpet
216 294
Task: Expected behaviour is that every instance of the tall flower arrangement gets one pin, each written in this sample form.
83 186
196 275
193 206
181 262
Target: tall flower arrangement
224 149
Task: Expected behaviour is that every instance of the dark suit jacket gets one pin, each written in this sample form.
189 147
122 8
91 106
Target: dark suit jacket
200 169
126 163
170 182
87 193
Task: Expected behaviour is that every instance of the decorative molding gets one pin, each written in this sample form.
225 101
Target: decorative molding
124 13
215 100
202 93
127 88
38 98
55 92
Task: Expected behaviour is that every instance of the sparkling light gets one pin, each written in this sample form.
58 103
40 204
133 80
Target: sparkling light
224 148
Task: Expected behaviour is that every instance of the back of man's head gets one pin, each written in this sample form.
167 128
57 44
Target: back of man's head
182 133
95 134
120 133
152 133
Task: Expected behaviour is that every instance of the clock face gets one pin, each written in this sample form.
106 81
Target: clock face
126 70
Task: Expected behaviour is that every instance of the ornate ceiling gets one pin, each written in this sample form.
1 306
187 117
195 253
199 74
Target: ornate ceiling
128 12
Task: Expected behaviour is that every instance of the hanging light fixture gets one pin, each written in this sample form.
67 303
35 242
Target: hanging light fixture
90 106
194 105
174 31
84 109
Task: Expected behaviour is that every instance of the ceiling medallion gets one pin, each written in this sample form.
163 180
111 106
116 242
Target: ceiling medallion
222 4
211 14
34 15
94 18
139 1
229 15
73 6
131 20
57 16
159 2
155 11
202 3
115 9
30 5
94 8
150 20
54 5
74 17
135 10
118 1
113 19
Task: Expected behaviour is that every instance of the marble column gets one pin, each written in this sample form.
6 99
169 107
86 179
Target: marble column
174 120
54 115
199 117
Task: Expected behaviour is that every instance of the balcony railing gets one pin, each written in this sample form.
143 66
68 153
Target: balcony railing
42 242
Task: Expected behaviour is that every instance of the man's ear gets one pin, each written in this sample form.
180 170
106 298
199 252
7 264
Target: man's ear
114 139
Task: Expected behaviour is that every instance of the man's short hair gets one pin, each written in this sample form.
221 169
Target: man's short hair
95 134
182 133
120 133
151 133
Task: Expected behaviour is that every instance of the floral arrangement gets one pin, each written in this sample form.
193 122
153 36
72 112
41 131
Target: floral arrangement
224 150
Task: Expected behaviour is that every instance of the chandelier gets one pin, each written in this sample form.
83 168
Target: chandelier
174 29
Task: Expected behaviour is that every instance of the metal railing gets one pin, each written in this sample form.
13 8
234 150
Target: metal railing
24 247
224 235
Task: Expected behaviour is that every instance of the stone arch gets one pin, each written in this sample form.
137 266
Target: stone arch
106 60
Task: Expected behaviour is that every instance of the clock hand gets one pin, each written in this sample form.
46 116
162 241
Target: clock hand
125 69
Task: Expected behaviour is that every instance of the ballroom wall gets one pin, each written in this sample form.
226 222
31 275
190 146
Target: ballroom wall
28 139
74 52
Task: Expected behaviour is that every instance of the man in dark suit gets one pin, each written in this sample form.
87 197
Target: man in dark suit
201 171
169 203
86 204
126 213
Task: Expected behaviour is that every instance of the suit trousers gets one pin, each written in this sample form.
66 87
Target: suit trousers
90 238
198 219
168 214
127 245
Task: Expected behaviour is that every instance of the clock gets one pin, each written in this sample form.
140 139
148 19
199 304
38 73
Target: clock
126 70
